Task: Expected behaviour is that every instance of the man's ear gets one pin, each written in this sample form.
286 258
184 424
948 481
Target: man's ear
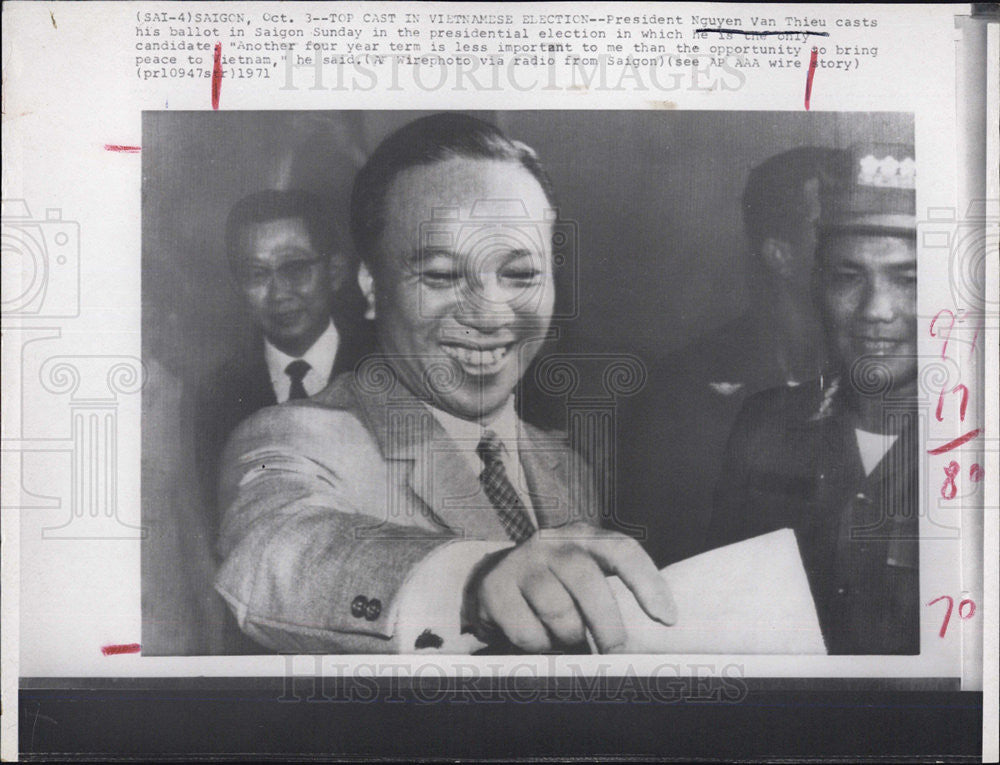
778 256
367 285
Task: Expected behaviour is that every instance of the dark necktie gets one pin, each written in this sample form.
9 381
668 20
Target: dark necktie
501 492
297 371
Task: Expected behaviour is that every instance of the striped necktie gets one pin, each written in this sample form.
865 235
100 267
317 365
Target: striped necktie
501 492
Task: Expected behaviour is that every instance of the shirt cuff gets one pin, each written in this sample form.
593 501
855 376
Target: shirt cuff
430 602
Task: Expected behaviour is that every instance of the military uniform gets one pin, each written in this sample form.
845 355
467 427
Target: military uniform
793 461
794 458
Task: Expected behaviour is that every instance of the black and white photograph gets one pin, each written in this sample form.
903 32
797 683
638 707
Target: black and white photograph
499 382
439 375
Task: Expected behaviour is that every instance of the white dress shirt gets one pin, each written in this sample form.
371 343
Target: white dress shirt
431 597
320 358
468 433
873 447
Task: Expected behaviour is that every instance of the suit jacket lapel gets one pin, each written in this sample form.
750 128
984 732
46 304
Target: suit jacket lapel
444 479
545 468
432 465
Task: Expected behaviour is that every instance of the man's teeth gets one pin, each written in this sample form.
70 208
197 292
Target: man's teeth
475 358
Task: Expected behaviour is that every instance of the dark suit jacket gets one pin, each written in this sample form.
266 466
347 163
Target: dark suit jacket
343 494
674 433
793 461
242 386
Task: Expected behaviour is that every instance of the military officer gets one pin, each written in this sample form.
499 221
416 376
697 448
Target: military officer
836 459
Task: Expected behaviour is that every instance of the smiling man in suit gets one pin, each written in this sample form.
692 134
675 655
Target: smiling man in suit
406 506
294 277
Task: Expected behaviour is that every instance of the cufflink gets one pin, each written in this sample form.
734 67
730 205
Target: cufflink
360 605
428 639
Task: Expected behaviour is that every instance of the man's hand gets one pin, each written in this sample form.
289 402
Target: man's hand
545 592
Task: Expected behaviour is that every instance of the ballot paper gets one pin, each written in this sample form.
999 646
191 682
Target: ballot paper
751 597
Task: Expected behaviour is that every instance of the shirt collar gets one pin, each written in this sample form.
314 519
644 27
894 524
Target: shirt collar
469 432
320 355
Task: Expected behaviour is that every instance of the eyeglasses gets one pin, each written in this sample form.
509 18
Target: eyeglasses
294 273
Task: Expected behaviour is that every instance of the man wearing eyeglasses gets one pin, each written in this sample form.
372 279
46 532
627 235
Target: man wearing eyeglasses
291 272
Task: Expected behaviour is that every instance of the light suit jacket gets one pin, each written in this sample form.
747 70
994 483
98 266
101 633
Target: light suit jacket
342 495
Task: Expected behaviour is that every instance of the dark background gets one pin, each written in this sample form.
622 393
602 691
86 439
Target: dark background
655 196
660 260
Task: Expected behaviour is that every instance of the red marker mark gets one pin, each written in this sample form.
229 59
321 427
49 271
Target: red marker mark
113 650
956 443
976 473
122 148
813 63
944 348
963 405
963 613
217 76
949 488
975 337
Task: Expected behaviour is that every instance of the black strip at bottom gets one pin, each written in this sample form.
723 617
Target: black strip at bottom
626 717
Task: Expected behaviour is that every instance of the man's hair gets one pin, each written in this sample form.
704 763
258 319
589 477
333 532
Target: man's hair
426 141
774 203
274 204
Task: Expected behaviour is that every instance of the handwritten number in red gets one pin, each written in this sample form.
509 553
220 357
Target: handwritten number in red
963 404
966 610
948 488
951 324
